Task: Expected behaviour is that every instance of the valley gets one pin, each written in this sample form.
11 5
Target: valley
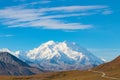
65 75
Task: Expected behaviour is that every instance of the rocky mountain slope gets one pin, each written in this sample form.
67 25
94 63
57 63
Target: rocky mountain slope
10 65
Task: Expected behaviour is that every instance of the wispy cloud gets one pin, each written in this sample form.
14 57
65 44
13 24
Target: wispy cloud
6 35
38 2
44 2
74 8
26 17
106 12
19 0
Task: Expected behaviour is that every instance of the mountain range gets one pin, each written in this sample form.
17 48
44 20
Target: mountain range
106 71
59 56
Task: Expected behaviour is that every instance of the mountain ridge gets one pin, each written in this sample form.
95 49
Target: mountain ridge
11 65
111 68
114 64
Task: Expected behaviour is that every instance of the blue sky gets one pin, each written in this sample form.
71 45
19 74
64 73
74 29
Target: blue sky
95 25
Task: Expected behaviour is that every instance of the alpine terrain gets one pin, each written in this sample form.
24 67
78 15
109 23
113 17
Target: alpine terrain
59 56
10 65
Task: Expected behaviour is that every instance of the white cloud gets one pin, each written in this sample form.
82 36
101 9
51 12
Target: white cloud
73 8
66 15
40 2
53 24
25 17
19 0
44 2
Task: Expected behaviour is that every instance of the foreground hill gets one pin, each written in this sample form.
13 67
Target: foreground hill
10 65
111 68
113 65
102 72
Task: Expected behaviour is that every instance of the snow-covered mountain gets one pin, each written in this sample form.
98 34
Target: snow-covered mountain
19 54
58 56
15 53
61 56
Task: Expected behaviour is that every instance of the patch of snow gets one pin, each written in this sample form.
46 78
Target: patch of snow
16 53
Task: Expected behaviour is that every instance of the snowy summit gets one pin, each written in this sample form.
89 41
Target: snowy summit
62 56
58 56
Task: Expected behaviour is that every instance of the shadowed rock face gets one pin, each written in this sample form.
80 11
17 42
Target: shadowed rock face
10 59
10 65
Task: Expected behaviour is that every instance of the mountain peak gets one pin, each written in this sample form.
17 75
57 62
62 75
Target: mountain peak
4 50
62 56
11 65
59 56
16 53
51 42
66 43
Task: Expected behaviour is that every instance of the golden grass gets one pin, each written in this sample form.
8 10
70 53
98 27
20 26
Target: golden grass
65 75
